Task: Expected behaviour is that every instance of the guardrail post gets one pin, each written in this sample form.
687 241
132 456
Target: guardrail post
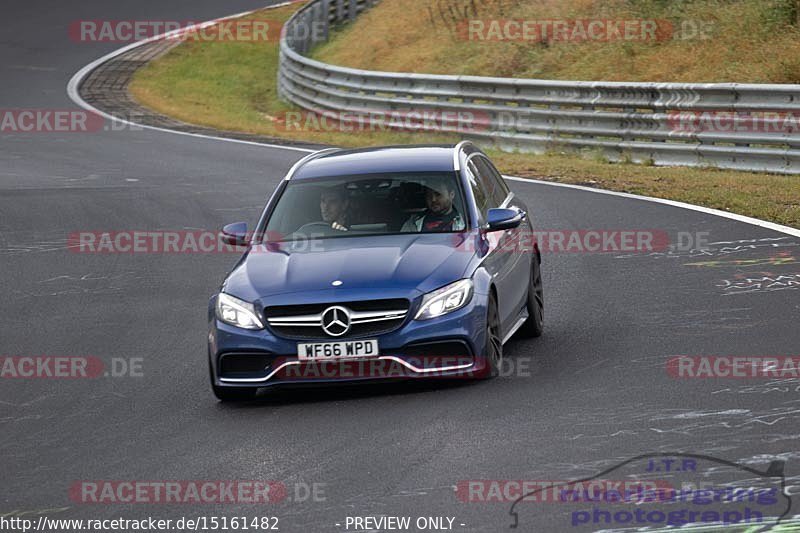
304 26
316 19
339 10
326 10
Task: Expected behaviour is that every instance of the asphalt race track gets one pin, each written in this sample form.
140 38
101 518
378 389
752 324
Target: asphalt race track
589 394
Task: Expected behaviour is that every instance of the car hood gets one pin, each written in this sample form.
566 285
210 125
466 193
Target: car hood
407 263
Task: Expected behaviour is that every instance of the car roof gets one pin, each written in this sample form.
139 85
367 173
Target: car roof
378 160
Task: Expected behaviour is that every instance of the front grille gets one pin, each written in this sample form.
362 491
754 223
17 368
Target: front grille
308 309
304 322
356 331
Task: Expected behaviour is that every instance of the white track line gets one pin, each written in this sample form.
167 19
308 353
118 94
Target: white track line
707 210
75 81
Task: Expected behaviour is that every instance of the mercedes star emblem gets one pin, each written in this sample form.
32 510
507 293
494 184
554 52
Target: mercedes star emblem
336 321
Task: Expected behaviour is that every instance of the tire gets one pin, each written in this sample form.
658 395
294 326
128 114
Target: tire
493 352
231 394
534 325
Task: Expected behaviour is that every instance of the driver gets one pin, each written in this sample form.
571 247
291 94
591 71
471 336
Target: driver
333 206
441 214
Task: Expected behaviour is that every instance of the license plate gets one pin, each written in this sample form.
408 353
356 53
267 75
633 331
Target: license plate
336 350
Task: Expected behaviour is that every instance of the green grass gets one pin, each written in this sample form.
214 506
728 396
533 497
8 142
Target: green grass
766 196
232 86
755 41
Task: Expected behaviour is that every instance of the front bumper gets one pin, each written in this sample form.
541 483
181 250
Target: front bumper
447 347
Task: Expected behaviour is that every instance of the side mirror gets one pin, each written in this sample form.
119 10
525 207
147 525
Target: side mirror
502 219
235 234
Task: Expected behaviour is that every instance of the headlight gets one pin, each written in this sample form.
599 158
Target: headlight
237 313
445 300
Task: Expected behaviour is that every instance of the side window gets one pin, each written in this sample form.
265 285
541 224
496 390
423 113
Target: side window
498 190
479 191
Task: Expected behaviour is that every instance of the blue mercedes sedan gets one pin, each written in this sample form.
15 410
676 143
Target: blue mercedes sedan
380 263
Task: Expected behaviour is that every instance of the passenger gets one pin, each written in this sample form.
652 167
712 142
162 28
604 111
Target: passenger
441 214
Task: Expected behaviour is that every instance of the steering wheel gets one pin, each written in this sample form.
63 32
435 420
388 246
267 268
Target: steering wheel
313 229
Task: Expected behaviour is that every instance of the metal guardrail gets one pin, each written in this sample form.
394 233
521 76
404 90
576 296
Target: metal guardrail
708 124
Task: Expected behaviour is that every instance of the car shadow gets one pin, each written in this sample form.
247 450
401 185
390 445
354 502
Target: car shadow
325 393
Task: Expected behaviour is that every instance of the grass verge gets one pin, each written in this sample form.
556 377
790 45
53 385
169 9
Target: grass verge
744 41
232 86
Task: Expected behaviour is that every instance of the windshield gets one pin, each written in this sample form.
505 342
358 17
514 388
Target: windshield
374 204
